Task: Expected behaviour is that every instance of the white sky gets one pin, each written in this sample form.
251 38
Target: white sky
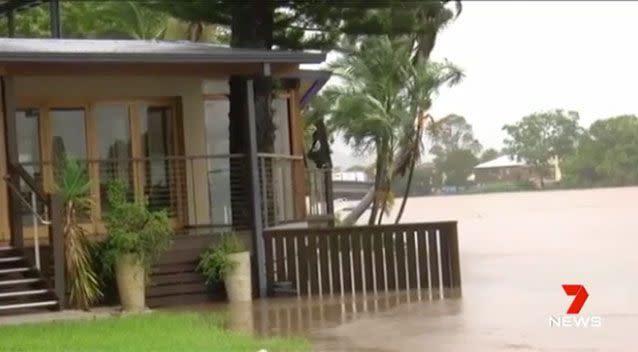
522 57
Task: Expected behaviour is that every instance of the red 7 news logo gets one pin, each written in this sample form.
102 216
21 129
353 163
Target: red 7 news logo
580 294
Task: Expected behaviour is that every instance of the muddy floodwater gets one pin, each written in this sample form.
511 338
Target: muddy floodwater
517 249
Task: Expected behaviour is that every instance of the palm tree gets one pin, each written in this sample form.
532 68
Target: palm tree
381 108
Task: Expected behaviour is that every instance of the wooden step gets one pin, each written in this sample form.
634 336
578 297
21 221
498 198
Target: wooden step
29 305
19 281
23 293
10 259
14 270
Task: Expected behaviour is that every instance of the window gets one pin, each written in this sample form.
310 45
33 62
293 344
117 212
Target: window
130 140
27 133
113 147
156 127
27 127
68 132
217 143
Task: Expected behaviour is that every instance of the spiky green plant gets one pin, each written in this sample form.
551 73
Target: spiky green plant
73 184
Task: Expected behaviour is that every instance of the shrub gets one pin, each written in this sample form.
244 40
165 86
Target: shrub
215 262
133 229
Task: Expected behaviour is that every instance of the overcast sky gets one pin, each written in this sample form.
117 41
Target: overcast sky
521 57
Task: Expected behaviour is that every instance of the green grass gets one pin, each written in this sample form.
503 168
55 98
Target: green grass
147 332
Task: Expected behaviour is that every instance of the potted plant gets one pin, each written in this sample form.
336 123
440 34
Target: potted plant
136 238
229 261
73 185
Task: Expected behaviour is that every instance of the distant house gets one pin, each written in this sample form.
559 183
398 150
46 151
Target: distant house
502 169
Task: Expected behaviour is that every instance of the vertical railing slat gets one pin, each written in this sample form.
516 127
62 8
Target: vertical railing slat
334 243
303 263
389 259
356 261
400 250
270 270
412 267
367 258
455 261
323 263
280 250
433 261
313 272
291 273
446 279
346 262
377 243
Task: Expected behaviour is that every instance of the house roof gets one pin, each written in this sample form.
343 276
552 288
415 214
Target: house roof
311 83
11 5
501 161
140 51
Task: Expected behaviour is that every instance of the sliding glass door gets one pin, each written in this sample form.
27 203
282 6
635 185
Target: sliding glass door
133 141
156 128
113 147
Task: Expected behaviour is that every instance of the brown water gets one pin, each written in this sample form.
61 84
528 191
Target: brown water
517 249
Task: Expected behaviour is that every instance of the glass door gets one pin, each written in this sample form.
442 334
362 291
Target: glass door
156 131
28 138
113 148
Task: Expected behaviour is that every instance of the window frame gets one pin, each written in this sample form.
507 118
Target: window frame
89 105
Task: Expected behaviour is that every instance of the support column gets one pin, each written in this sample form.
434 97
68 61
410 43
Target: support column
54 14
11 26
253 161
245 191
11 147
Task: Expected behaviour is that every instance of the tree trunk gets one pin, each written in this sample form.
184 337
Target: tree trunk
365 202
407 191
378 177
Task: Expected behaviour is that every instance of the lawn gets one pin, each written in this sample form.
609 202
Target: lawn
146 332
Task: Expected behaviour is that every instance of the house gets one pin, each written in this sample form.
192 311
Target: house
159 115
502 169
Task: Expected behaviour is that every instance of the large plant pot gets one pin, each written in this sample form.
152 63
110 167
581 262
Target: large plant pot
238 281
130 275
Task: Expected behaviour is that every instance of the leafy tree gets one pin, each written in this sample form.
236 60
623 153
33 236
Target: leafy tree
456 166
316 25
541 137
110 19
455 149
451 133
488 154
606 155
381 106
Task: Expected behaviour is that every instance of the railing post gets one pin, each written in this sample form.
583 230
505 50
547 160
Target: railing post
257 221
7 99
455 260
57 247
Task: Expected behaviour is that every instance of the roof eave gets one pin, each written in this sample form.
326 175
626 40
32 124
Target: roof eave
296 58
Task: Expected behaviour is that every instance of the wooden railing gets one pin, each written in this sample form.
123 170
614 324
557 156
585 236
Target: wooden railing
343 260
50 215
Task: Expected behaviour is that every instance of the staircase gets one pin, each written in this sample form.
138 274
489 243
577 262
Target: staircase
22 288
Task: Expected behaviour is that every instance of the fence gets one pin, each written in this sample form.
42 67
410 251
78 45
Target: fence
343 260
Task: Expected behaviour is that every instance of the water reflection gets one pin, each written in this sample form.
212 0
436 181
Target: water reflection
300 316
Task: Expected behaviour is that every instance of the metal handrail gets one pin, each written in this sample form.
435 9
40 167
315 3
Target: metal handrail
31 207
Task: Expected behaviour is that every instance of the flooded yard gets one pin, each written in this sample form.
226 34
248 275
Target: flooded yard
517 249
